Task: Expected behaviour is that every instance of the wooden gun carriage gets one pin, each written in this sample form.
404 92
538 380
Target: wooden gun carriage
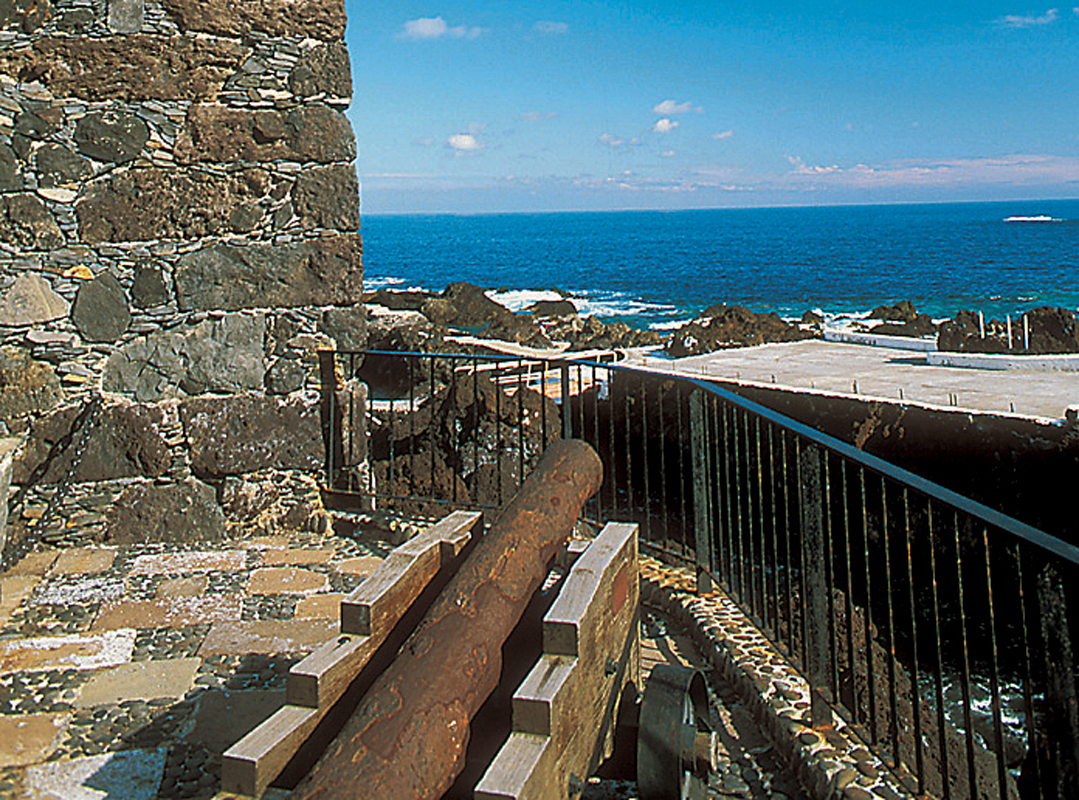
467 667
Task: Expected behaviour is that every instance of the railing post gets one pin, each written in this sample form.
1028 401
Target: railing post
567 416
331 416
700 448
1062 711
817 646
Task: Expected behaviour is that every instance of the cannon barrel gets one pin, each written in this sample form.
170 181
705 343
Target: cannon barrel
409 735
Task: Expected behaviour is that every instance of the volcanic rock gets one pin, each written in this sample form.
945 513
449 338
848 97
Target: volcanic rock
318 272
312 132
318 19
732 326
327 197
285 376
128 68
152 203
10 177
346 326
590 333
148 290
216 355
1052 330
322 70
398 301
124 442
27 387
27 224
248 433
171 512
30 300
553 308
111 136
101 312
58 166
24 15
903 311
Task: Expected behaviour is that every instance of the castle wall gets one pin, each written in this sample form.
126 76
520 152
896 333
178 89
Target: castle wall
179 233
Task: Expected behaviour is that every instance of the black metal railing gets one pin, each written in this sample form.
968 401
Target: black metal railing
936 626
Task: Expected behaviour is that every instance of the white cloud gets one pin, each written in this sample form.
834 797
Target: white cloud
723 135
464 143
537 116
664 125
1019 21
800 167
426 28
549 28
669 107
667 154
610 140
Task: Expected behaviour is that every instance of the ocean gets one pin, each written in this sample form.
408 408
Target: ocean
659 269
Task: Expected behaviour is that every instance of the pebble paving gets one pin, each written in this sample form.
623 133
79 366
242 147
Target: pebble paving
80 598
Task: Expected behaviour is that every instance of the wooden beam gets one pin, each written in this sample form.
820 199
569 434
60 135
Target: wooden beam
318 681
570 698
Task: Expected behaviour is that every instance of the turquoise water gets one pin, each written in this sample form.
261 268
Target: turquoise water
661 268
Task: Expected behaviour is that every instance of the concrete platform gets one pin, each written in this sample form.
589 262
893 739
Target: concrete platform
868 373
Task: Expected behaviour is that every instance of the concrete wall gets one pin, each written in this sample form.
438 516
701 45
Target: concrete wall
179 229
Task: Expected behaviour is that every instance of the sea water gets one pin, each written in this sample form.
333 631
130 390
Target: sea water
659 269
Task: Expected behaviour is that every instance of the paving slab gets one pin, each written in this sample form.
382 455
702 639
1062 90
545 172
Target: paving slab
182 563
169 612
83 561
264 543
140 680
223 718
130 774
92 651
13 590
69 589
363 565
268 636
323 606
297 556
287 580
30 738
183 587
34 563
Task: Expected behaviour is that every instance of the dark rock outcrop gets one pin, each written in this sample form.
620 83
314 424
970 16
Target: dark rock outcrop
731 326
1052 330
589 333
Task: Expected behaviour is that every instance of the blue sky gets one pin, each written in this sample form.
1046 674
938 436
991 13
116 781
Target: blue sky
543 105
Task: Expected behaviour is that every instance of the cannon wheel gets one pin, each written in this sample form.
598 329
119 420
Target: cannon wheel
675 749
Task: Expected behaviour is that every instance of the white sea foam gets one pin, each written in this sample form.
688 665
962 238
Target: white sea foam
520 299
384 282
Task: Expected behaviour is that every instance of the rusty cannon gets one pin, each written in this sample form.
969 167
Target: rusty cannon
395 706
409 735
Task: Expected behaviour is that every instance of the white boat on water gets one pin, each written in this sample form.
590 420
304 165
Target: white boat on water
1036 218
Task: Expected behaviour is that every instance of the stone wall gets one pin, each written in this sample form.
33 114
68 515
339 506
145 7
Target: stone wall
179 230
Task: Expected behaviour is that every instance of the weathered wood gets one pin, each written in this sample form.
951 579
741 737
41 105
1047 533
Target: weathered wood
318 681
374 606
570 698
409 735
250 765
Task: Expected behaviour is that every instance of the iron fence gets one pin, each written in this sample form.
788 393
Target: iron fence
936 626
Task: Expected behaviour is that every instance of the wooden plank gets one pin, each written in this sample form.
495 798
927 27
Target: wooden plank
591 651
375 606
250 765
516 770
321 678
368 616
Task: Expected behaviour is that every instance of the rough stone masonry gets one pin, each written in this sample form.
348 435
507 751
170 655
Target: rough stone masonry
179 230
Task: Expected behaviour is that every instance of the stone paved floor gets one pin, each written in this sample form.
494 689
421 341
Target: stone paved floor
139 666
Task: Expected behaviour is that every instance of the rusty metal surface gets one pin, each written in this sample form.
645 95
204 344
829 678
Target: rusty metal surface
409 735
